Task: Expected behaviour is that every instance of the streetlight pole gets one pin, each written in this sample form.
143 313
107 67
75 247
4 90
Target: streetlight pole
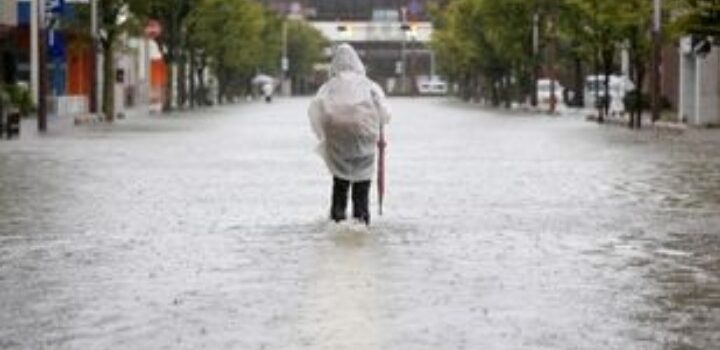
535 59
655 77
34 52
551 57
285 64
93 103
596 77
42 111
404 27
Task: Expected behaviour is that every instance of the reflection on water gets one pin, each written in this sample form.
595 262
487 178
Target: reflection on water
501 232
342 305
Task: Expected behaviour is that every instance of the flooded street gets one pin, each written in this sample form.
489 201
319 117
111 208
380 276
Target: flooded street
501 231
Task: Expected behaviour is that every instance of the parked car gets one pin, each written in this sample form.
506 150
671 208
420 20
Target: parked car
432 86
545 96
594 92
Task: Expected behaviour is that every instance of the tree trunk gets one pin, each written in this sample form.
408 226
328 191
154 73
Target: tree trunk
182 80
507 93
607 71
191 76
169 86
203 98
495 97
474 90
579 81
640 78
633 110
465 88
221 85
109 80
535 75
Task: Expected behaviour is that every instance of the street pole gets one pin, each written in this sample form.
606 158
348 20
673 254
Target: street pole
411 67
404 27
93 103
551 60
536 51
148 74
34 57
285 64
42 111
655 77
403 68
596 64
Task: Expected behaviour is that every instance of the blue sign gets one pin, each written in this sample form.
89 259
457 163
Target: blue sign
55 6
56 44
23 13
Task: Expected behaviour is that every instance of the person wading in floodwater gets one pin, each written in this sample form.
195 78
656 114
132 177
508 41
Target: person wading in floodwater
346 116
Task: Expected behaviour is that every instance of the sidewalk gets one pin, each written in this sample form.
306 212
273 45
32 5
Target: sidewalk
647 122
67 125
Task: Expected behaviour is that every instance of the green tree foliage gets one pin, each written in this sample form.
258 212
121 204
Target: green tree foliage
241 38
609 26
272 38
114 19
487 45
635 22
230 33
305 46
235 39
483 44
172 15
699 17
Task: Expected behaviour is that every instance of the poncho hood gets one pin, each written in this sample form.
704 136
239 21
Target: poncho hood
346 59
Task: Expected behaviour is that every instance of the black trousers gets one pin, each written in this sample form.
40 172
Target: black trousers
360 199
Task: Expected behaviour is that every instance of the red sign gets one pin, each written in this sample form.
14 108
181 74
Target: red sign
153 29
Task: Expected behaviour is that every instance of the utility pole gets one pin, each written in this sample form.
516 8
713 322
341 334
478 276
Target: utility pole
551 56
42 111
596 77
535 58
285 64
93 103
34 35
405 28
655 74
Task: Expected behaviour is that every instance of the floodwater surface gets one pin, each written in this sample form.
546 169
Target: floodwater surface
501 231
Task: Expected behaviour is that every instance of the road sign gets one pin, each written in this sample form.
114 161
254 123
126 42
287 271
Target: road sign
55 6
52 9
56 44
285 64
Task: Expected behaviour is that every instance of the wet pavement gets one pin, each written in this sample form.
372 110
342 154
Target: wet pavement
502 231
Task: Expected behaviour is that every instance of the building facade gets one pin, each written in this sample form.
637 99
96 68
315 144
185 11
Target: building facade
352 10
699 85
391 36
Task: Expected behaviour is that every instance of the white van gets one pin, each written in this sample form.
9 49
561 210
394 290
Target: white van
432 86
545 96
619 88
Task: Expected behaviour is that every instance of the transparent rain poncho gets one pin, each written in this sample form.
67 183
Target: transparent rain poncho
346 116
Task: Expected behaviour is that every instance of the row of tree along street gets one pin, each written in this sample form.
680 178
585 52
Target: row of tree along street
232 40
497 49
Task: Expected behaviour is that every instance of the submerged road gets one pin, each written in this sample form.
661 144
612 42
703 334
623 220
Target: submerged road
208 230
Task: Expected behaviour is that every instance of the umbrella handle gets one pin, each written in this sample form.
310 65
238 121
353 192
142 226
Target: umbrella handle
381 144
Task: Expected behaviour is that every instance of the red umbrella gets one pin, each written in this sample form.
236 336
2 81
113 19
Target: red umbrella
381 169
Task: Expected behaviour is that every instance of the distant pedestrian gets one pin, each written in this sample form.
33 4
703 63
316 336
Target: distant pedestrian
346 116
267 91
